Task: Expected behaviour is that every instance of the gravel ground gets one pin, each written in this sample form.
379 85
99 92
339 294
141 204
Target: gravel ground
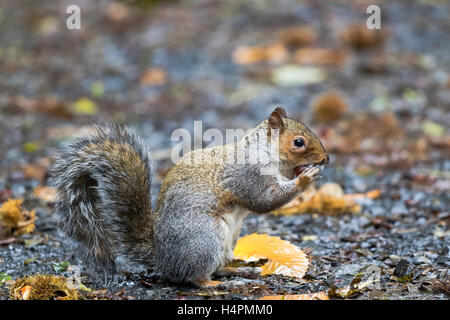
403 232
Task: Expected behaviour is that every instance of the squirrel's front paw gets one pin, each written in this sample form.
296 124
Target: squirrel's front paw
308 176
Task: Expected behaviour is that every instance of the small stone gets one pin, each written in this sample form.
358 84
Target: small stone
403 268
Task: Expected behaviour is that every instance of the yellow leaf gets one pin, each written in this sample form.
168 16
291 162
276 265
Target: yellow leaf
310 238
433 129
14 219
26 229
284 258
373 194
328 200
97 89
30 147
85 106
309 296
10 213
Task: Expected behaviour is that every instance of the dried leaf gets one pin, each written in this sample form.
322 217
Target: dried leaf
309 237
276 53
29 260
359 37
7 240
97 89
117 12
284 258
15 220
48 105
32 171
319 56
361 132
291 75
309 296
329 107
154 77
328 200
433 129
46 193
297 36
246 55
85 106
31 147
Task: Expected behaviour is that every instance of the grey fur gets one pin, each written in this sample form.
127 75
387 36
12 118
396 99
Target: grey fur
187 237
91 204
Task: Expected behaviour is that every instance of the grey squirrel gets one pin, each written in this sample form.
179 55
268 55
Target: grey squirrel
103 185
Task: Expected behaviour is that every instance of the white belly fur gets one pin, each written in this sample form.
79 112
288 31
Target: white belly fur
231 225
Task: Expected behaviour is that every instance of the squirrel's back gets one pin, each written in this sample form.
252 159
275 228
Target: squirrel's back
103 183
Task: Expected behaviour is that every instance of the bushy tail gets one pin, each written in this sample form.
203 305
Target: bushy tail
103 182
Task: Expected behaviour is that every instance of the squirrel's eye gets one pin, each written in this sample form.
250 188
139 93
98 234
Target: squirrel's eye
299 143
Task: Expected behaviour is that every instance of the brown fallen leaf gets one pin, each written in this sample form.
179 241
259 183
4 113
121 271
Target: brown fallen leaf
308 296
32 171
246 55
284 258
15 220
372 194
320 56
329 107
328 200
361 133
49 105
276 53
441 286
359 37
154 77
46 193
117 12
297 36
7 241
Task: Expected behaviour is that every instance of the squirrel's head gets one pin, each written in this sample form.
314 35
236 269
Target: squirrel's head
299 147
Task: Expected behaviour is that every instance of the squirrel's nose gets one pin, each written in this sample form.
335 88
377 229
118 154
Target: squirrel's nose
326 159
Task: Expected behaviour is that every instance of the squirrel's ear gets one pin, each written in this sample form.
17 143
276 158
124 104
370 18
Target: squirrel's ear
281 111
276 121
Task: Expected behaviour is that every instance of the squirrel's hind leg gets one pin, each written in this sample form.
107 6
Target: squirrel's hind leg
188 248
244 272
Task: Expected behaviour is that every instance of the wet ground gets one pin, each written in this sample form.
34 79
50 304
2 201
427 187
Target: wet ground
160 67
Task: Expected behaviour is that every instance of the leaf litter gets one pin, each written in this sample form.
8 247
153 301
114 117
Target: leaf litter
284 258
391 137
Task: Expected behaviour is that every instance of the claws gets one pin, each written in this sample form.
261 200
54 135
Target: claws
312 172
